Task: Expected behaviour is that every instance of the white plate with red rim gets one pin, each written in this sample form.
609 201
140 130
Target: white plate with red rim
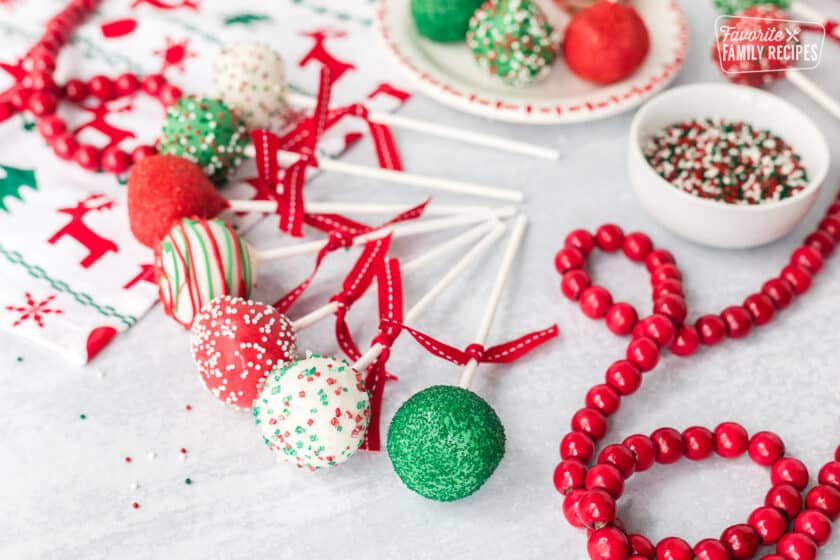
448 73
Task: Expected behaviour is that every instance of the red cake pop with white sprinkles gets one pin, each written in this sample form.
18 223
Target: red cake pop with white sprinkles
235 343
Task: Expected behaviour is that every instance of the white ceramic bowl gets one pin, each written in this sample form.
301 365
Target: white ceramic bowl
717 223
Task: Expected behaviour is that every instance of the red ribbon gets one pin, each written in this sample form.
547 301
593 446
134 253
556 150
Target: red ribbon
341 233
828 25
500 354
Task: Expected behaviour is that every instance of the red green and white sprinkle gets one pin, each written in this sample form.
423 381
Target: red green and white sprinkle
727 161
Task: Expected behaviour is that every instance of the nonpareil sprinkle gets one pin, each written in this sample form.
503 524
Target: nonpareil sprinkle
728 161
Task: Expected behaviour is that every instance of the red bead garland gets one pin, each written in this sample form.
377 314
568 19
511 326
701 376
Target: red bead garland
781 520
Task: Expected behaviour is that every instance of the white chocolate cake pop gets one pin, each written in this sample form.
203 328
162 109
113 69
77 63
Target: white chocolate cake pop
250 78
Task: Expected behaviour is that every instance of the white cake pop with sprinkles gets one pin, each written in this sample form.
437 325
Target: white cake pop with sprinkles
250 78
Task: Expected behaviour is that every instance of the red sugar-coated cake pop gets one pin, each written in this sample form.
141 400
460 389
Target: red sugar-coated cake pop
236 343
736 50
606 42
162 189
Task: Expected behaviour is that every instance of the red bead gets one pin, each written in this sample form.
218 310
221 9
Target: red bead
791 471
64 146
665 272
42 103
732 440
822 242
581 240
699 443
825 499
658 327
737 320
606 477
641 546
141 152
42 60
742 540
595 301
769 523
711 329
87 156
603 398
574 283
672 306
126 84
20 98
568 258
785 498
591 422
686 342
608 544
152 84
814 524
38 81
624 377
577 445
779 290
75 90
766 448
673 548
831 226
798 277
637 246
51 126
621 457
760 307
570 507
657 258
711 549
621 318
569 475
669 445
596 508
115 160
808 258
830 474
667 286
643 449
6 110
101 87
795 546
169 94
609 237
643 352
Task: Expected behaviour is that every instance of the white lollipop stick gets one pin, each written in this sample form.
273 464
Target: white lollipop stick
287 158
814 92
432 255
444 131
809 13
398 230
269 207
493 302
418 308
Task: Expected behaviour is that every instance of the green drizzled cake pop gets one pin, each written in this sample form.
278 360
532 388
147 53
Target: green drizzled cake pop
206 132
732 7
445 442
444 21
513 40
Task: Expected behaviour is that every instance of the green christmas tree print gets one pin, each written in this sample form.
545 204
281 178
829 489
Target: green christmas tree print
12 180
246 19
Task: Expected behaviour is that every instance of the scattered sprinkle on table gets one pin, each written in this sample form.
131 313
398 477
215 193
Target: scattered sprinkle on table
135 505
20 359
83 416
128 459
188 407
187 481
727 161
183 450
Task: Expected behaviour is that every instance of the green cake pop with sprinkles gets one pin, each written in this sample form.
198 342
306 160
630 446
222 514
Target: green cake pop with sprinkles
206 132
512 40
444 21
732 7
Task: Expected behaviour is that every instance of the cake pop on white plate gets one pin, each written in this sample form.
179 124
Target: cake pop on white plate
199 260
314 412
250 79
235 342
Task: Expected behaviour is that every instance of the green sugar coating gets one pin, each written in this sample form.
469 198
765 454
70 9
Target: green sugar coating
512 39
445 442
207 133
444 21
732 7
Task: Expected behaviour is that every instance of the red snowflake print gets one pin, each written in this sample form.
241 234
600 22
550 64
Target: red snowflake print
34 310
174 54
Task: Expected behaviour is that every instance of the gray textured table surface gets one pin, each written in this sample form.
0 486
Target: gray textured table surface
65 490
